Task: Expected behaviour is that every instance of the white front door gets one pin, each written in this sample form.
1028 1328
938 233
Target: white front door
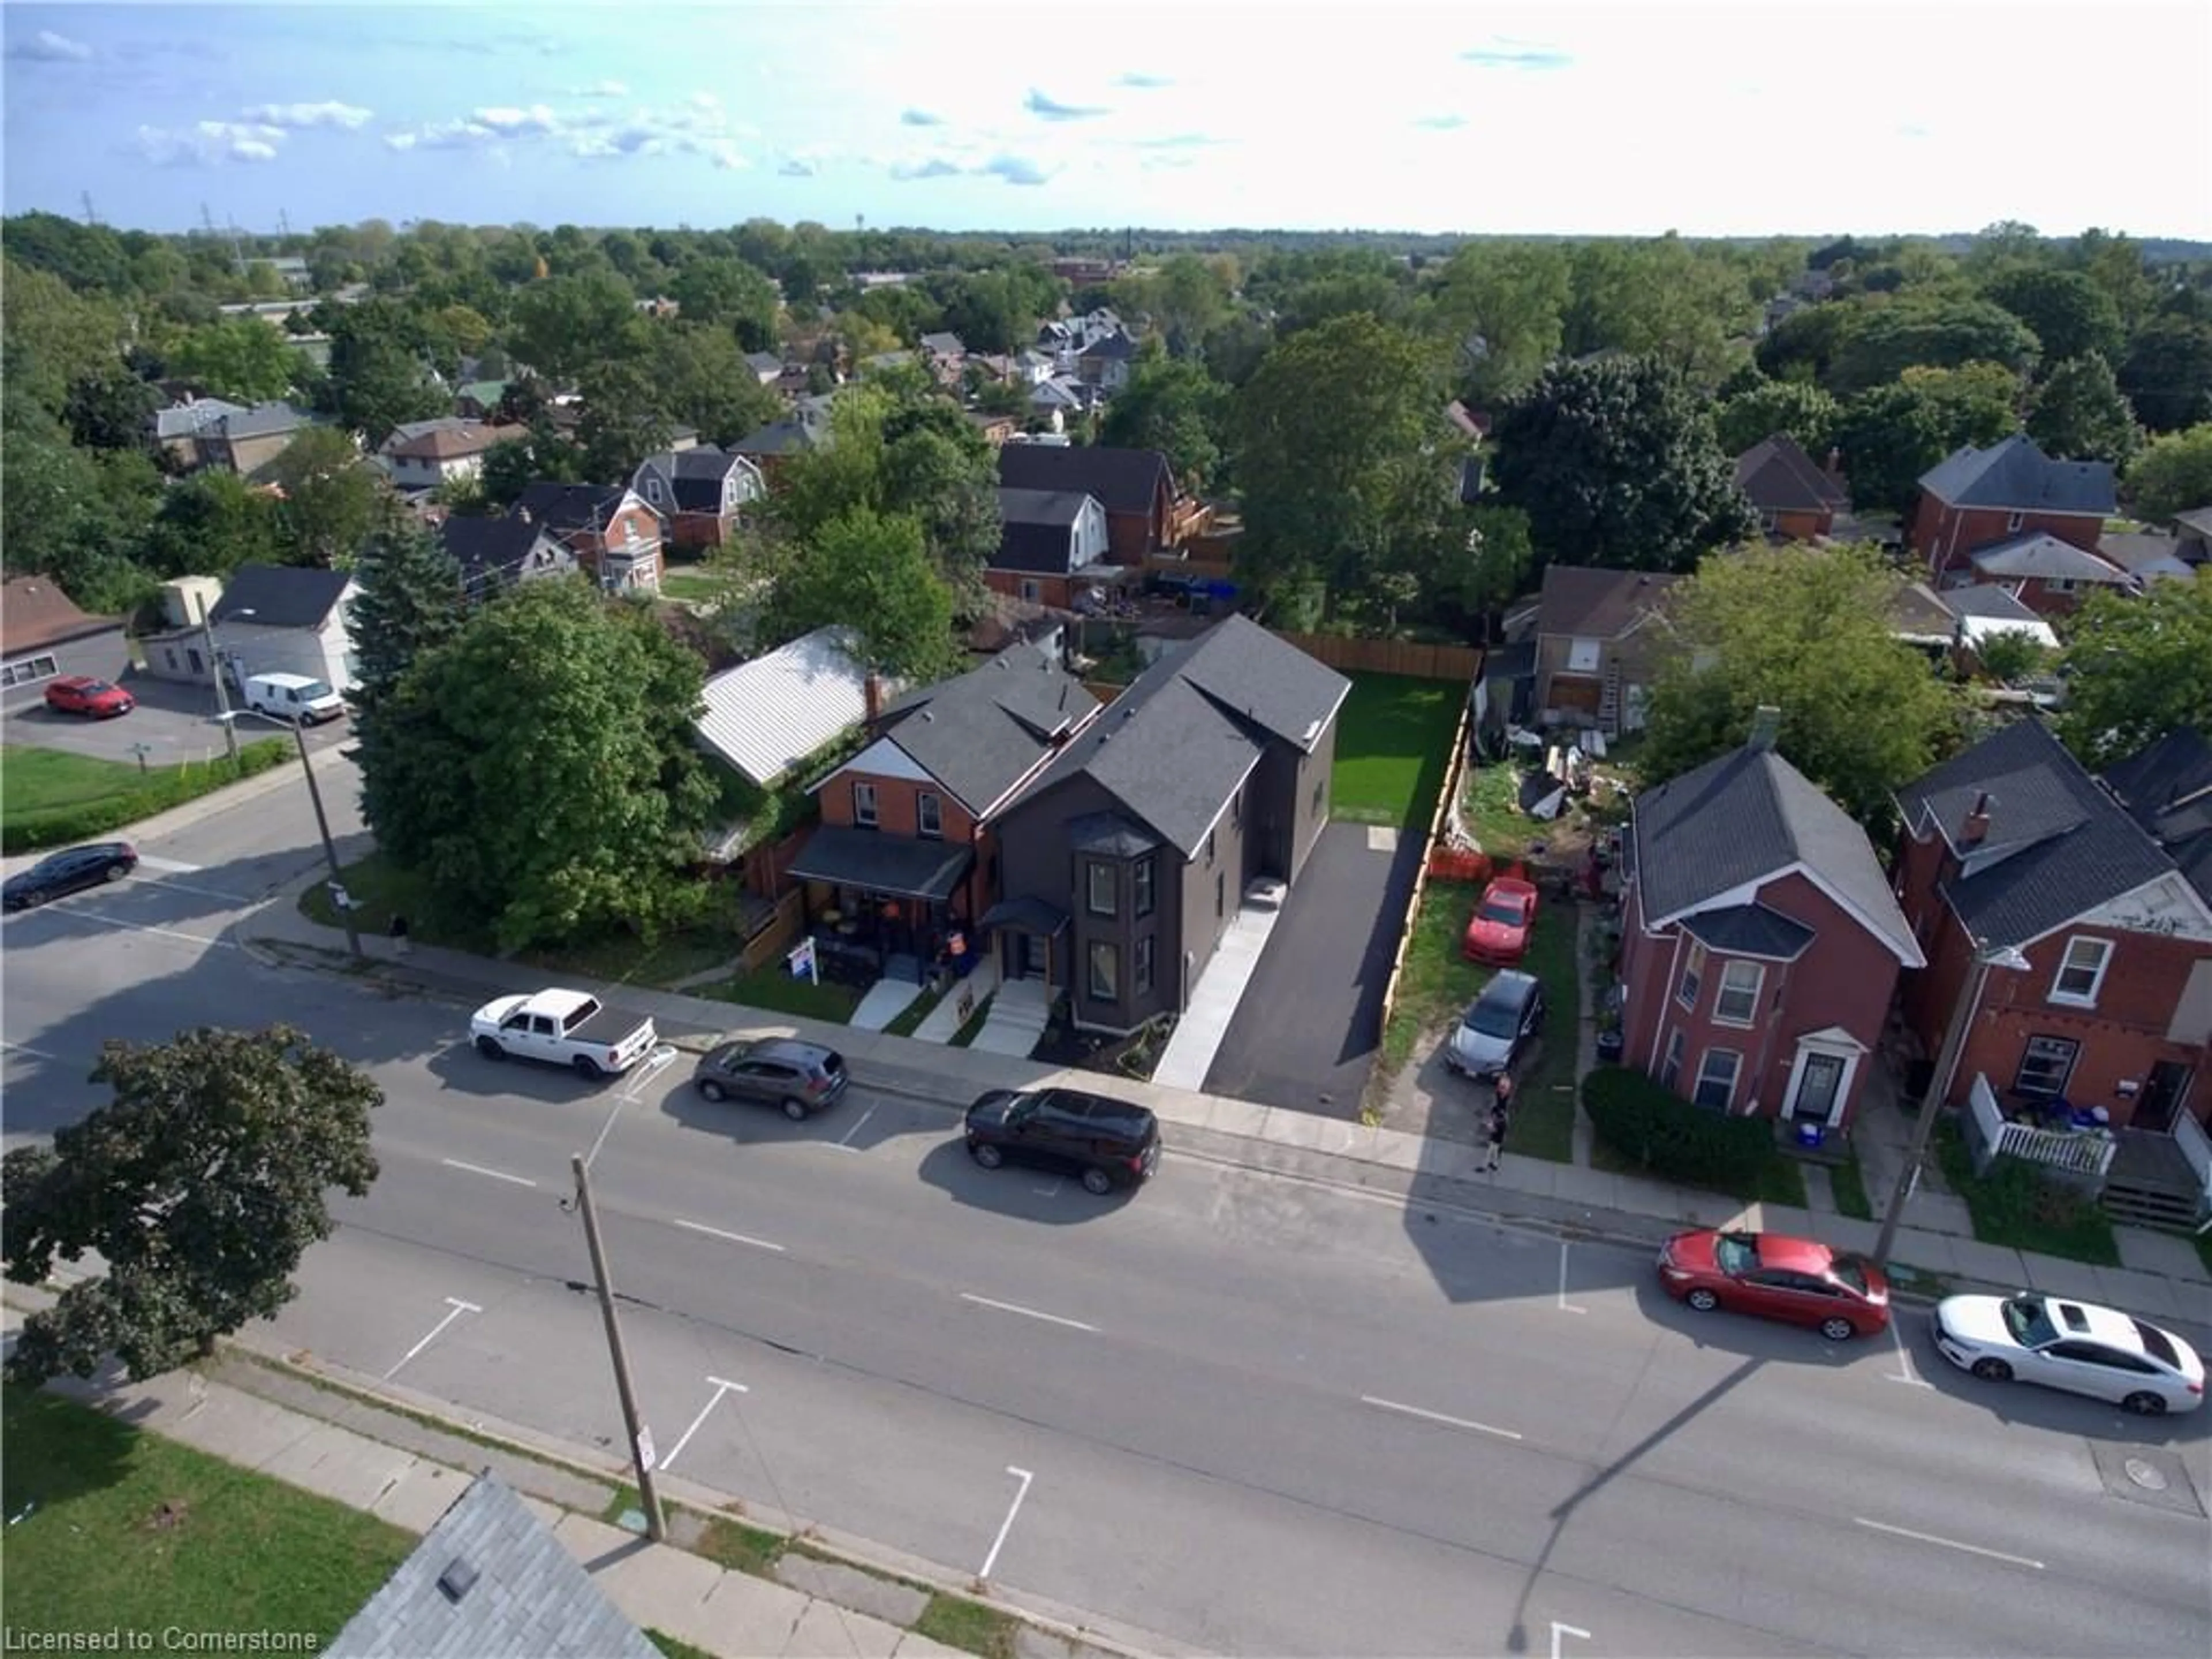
1820 1083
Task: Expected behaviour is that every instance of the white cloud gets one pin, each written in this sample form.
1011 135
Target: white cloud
48 47
705 100
603 90
506 119
208 143
292 117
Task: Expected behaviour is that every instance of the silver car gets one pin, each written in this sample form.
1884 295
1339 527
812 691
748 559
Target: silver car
1497 1025
2074 1346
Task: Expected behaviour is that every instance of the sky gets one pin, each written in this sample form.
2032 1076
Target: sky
1781 116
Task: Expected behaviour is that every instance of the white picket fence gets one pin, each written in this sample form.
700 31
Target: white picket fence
2085 1152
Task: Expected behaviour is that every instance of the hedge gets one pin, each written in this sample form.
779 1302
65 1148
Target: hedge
1670 1137
84 820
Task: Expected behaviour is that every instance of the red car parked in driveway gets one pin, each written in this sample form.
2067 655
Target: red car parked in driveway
1796 1280
1497 935
80 694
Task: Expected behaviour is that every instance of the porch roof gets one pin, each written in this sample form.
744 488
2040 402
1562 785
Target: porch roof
878 863
1028 915
1749 930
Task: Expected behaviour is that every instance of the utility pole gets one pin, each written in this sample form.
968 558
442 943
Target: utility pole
329 847
221 691
640 1441
90 217
284 223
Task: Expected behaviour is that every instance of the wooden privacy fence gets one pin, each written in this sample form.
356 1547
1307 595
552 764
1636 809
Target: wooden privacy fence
778 936
1420 662
1444 798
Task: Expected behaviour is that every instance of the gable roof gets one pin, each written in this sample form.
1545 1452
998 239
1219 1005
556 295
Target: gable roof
1117 346
1123 480
2056 845
1586 602
565 506
1916 613
1175 745
262 420
2147 554
1780 476
488 547
944 345
2037 555
766 715
779 437
2168 789
1038 526
765 362
1745 818
2017 475
280 596
184 419
696 476
35 613
528 1598
446 443
980 733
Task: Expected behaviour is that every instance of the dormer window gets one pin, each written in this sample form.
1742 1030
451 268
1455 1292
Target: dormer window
653 491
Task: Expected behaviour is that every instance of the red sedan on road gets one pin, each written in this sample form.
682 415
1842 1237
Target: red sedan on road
80 694
1497 936
1797 1280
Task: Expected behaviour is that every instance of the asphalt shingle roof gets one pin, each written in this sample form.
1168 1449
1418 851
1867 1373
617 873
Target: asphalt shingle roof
1742 819
263 420
1750 930
528 1599
1123 480
280 596
566 507
488 546
1582 601
1780 476
2017 475
1038 533
2168 789
980 732
2038 555
2058 844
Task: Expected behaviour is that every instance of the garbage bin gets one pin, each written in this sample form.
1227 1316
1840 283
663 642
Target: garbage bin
1610 1044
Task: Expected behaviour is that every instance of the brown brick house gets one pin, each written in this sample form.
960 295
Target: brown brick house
611 531
1795 501
1599 636
1975 498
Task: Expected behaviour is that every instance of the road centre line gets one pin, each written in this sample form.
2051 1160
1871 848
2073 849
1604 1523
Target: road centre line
478 1169
1436 1417
1026 1313
722 1386
734 1238
1948 1543
1007 1525
455 1308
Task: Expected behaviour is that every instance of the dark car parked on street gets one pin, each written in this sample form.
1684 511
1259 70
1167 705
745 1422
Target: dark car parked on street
800 1078
59 874
1104 1143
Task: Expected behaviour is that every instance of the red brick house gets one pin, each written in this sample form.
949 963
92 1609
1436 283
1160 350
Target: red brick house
1760 943
1795 501
1978 498
2050 577
1145 511
698 492
907 846
2012 843
1053 544
609 527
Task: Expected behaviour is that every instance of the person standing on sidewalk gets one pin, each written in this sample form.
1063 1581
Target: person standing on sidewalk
1501 1115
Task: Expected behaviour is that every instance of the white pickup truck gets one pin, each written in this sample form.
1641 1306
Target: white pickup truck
564 1028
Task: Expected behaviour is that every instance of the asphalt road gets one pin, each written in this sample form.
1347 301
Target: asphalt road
1257 1415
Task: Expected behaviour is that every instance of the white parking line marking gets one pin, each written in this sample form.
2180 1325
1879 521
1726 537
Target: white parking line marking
26 1048
1565 1306
1436 1417
1007 1525
170 866
734 1238
845 1141
1027 1313
1948 1543
721 1388
1904 1373
655 1064
75 912
1560 1630
185 887
478 1169
455 1308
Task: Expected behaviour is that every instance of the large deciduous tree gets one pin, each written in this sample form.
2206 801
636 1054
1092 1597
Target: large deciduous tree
2079 412
1805 630
200 1186
1175 406
1616 463
2136 669
211 523
538 770
871 572
240 358
2071 315
728 293
380 373
2167 372
564 324
1795 409
332 498
71 514
1503 305
1892 435
1891 335
2173 474
702 381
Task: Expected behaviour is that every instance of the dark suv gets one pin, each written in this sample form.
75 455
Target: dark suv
801 1078
1106 1143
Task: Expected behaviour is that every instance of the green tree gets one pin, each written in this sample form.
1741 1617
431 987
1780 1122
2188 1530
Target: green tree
1616 463
703 382
410 603
2173 474
2167 372
1175 406
53 337
1663 299
2079 413
625 418
1806 630
199 1185
1337 459
1503 305
332 498
70 514
564 324
2071 315
380 370
728 293
1892 334
242 358
1892 435
873 572
1796 409
1804 345
113 409
1235 347
211 523
2136 669
1499 558
513 464
539 772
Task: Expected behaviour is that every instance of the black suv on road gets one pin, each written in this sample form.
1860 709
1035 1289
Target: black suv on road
1105 1143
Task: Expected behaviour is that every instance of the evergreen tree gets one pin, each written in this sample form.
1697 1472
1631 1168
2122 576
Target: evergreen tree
411 601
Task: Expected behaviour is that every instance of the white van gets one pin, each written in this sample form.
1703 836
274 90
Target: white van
293 697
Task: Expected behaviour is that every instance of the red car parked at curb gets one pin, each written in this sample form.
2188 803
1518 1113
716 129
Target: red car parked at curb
1497 935
80 694
1797 1280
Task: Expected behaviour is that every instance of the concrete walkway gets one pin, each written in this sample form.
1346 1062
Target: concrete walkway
883 1002
1197 1036
1020 1010
943 1023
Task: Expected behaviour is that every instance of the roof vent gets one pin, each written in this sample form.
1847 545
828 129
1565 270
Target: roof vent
458 1579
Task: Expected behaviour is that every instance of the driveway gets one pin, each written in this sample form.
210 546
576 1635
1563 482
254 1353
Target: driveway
1306 1031
174 722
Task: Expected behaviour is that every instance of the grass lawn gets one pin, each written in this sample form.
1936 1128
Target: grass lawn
48 797
969 1625
1489 799
1779 1181
690 583
2014 1205
1848 1181
973 1025
1393 742
124 1529
773 989
913 1013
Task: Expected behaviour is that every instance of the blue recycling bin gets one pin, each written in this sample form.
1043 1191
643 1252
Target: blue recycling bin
1810 1134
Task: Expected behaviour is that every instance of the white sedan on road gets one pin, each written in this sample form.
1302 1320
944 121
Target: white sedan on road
2074 1346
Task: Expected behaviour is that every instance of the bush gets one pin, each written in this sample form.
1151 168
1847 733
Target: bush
1671 1139
84 820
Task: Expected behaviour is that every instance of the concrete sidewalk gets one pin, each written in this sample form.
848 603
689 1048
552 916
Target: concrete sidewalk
254 1408
2168 1283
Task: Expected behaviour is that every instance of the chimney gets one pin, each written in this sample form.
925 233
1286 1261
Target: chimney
873 690
1765 725
1978 822
523 514
1835 467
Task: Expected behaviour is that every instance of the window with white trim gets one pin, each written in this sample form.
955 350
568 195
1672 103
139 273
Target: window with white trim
2081 971
1693 969
1736 1003
2044 1065
653 490
929 815
864 804
2014 521
1671 1073
30 668
1716 1075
